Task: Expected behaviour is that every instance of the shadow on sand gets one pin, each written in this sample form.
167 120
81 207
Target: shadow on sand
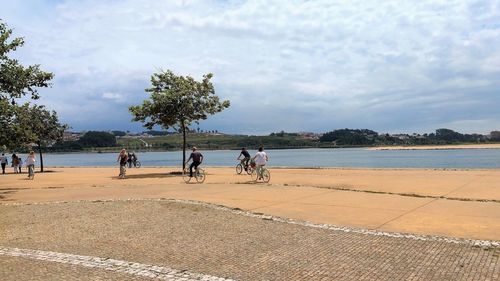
153 176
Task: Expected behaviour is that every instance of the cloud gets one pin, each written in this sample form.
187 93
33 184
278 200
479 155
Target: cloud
305 65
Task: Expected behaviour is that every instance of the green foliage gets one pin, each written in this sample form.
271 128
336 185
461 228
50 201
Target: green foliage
16 80
119 133
178 101
495 136
21 124
350 137
97 139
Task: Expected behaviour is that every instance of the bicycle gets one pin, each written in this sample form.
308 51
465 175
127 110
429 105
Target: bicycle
198 174
266 175
248 168
136 164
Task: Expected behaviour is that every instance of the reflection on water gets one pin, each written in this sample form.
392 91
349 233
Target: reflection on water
343 157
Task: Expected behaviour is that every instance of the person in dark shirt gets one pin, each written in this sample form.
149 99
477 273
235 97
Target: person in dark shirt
122 158
244 157
197 159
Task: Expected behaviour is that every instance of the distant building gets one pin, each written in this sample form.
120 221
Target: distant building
71 136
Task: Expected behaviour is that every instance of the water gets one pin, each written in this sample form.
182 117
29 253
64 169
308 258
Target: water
344 157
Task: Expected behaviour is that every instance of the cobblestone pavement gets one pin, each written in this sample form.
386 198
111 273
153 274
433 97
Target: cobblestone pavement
12 268
212 241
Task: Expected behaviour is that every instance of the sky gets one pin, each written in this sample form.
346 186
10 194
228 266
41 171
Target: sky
391 66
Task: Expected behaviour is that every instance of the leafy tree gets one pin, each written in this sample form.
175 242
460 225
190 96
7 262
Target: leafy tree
45 128
97 139
176 102
16 81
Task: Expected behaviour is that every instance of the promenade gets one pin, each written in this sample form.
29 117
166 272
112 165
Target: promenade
307 224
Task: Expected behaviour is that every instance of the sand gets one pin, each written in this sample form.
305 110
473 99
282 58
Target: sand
456 203
439 147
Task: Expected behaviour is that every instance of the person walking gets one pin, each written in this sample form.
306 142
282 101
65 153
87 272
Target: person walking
3 161
20 165
197 159
30 164
122 158
15 163
260 159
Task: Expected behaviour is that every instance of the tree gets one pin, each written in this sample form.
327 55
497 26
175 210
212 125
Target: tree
16 81
176 102
45 128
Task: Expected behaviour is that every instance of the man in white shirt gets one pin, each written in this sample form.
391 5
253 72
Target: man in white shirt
4 162
260 159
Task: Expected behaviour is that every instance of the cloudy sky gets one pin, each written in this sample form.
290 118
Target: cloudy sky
390 66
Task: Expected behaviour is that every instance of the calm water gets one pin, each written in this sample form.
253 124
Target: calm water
345 157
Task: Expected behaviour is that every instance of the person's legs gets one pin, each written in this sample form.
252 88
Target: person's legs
31 170
191 169
3 168
122 170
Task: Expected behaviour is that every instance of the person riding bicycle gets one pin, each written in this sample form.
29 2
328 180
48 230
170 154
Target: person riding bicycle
134 159
260 159
197 159
246 158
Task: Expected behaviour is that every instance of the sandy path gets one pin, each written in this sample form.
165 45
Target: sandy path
458 203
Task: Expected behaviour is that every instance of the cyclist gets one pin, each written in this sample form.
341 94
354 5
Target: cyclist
134 159
260 159
246 158
197 159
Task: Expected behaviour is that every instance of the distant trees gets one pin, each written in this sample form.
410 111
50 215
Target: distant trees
495 136
350 137
119 133
176 102
97 139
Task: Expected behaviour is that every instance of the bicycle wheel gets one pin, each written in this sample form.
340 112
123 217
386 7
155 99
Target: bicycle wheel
254 175
239 169
249 169
185 175
137 164
266 175
200 175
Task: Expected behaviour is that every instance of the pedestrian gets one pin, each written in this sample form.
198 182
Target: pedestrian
3 161
15 163
30 164
122 158
20 165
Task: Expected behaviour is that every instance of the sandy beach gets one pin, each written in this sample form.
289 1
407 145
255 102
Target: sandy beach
455 203
439 147
306 224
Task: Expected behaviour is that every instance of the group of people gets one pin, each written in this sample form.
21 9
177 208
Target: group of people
260 159
17 162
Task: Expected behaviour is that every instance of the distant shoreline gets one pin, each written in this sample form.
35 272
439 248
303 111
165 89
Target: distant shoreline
439 147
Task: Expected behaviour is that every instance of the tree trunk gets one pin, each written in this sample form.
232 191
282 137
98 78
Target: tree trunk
183 146
41 157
